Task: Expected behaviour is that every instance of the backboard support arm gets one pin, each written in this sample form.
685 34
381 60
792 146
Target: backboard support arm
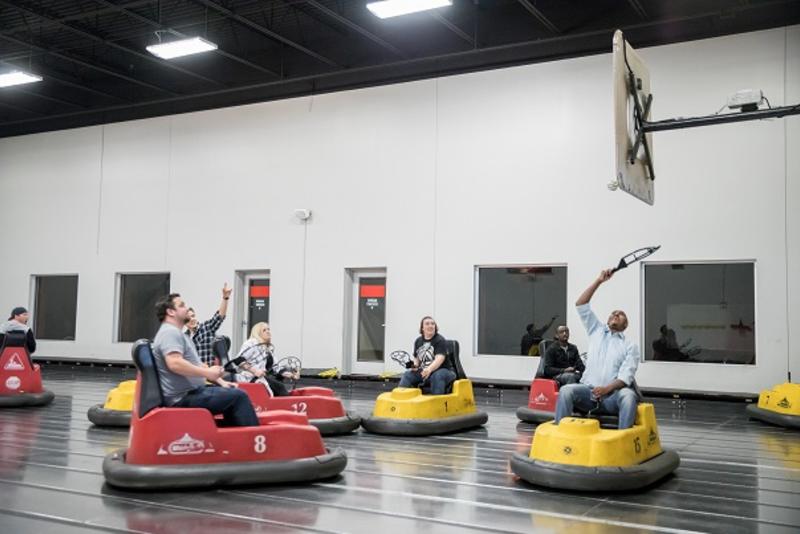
707 120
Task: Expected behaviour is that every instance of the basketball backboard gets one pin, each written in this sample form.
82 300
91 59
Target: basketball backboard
632 99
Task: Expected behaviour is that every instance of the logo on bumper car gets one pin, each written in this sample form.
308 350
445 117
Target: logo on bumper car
13 382
784 403
14 363
186 445
542 398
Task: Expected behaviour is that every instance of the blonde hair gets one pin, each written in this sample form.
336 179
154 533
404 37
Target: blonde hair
254 332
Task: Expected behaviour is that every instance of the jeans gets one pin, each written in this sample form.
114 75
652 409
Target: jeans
439 380
579 396
232 403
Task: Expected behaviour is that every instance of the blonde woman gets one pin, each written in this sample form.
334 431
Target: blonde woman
258 361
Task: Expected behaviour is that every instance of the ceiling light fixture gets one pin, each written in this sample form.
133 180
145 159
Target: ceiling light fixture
17 77
394 8
184 47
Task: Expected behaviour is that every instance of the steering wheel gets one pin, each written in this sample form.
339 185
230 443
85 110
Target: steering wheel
235 365
403 358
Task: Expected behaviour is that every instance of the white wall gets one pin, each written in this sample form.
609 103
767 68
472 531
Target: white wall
427 179
792 200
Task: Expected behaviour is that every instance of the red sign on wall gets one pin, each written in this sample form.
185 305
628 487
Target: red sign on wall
259 291
372 292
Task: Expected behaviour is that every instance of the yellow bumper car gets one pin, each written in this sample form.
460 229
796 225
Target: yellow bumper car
118 406
411 412
578 454
779 406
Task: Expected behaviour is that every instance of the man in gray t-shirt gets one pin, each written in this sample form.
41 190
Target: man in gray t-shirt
182 374
171 339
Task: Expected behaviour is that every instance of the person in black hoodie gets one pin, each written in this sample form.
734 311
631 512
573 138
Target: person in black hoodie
562 362
18 322
430 362
529 344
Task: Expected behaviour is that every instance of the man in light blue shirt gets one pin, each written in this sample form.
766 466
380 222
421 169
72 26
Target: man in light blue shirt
607 384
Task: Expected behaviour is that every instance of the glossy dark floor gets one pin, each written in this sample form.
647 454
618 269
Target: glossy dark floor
735 476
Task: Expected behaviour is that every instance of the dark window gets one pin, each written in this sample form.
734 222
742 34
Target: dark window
518 307
700 313
55 307
138 294
371 319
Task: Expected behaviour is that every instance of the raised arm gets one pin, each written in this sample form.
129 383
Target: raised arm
588 293
226 295
540 332
213 324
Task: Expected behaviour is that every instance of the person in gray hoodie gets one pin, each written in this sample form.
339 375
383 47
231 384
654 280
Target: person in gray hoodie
18 322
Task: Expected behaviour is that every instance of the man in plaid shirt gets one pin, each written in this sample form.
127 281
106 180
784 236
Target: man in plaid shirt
203 333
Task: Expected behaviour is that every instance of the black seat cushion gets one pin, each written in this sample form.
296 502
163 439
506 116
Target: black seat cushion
16 338
543 346
222 347
453 353
150 394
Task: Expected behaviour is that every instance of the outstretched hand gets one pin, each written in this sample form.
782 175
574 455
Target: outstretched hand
605 275
226 291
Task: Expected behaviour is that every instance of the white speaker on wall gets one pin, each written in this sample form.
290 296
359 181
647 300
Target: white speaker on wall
302 213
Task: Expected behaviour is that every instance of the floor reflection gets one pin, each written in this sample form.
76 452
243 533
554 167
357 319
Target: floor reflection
735 476
18 434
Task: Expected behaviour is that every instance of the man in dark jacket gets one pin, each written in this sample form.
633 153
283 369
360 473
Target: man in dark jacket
562 362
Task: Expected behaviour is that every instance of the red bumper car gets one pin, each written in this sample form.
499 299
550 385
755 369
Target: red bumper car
541 402
183 447
323 409
20 378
